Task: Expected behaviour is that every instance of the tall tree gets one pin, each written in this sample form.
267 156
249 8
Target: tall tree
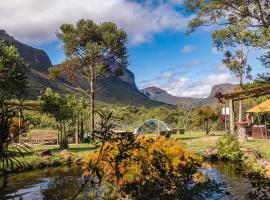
235 43
253 14
90 49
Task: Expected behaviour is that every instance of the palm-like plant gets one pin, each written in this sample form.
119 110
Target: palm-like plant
9 149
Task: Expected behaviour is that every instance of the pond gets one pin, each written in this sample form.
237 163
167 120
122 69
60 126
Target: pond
64 182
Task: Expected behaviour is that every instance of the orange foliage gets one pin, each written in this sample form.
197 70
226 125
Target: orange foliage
149 158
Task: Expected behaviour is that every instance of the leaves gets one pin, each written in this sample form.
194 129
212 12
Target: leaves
89 46
144 167
13 73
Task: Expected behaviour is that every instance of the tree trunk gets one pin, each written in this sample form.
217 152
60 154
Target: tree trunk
92 105
81 130
77 131
241 82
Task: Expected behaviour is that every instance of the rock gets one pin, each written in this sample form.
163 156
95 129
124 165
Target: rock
44 153
211 152
66 155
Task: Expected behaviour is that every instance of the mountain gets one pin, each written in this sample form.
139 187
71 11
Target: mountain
110 89
158 94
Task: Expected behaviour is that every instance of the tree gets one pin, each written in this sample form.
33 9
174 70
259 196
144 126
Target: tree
13 74
235 42
13 85
205 117
90 49
62 108
253 14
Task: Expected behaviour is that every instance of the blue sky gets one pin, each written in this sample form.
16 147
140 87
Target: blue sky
160 53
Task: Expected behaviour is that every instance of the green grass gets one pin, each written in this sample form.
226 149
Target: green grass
193 141
198 141
76 149
262 146
189 135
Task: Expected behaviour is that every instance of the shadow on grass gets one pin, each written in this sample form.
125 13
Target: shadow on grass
188 138
56 150
81 149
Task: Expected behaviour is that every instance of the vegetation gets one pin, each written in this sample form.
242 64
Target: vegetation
205 117
253 15
13 74
144 167
65 109
229 148
13 84
90 50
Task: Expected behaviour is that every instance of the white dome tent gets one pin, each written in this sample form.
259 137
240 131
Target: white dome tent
153 126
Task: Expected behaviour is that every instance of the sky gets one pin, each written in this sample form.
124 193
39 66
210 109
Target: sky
160 53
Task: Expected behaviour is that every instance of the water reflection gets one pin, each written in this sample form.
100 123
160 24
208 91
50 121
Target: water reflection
62 183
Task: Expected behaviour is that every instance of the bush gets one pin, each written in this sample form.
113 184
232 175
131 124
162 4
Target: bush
228 148
148 168
63 144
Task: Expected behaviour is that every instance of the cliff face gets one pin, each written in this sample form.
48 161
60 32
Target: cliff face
36 58
111 89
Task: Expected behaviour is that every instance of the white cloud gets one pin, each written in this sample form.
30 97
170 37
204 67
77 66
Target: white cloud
36 21
187 87
188 49
203 88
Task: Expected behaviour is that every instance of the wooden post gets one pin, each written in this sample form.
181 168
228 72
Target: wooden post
232 125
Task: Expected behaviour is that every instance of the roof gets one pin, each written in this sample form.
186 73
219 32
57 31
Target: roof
246 93
262 107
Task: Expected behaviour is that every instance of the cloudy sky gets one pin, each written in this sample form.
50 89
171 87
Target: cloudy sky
160 53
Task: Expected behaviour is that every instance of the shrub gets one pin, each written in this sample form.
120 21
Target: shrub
228 148
63 144
148 168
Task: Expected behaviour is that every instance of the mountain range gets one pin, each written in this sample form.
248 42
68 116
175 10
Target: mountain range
160 95
110 88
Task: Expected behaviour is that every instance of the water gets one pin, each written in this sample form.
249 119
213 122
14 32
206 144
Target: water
63 183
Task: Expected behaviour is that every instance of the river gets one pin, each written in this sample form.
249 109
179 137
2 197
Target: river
64 182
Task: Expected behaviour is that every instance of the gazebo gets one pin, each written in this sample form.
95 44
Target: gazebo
260 131
241 95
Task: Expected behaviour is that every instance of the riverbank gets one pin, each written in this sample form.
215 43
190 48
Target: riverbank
43 156
196 142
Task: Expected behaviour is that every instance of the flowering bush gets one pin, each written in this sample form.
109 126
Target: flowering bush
148 168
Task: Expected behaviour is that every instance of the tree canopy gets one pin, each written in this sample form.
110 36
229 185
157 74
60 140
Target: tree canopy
254 15
90 51
13 73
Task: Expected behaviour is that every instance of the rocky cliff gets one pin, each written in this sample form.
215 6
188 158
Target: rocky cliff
111 88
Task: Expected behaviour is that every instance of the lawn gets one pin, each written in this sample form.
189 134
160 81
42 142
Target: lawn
198 141
75 149
262 146
193 141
